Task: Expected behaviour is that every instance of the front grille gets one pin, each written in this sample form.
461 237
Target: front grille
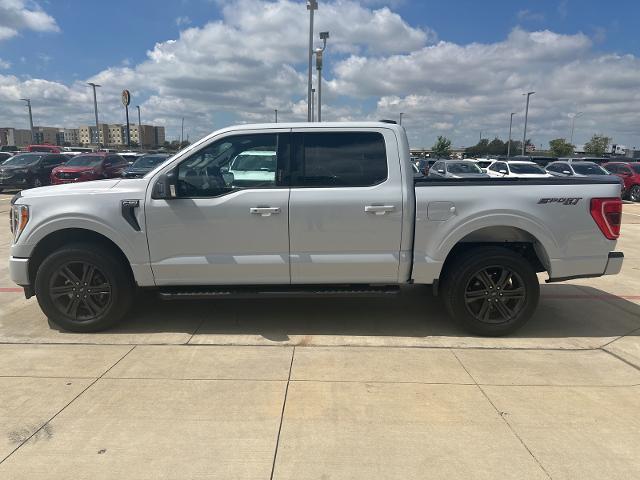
67 175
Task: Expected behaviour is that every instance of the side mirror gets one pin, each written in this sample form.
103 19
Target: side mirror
566 172
166 187
504 172
440 171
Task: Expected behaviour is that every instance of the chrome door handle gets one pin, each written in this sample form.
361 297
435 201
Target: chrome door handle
264 211
379 209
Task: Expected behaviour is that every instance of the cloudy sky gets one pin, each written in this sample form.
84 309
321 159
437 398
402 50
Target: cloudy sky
455 68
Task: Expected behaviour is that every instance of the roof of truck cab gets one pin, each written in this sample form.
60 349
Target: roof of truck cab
319 125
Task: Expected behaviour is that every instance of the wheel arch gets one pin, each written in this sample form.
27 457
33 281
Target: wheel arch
516 239
55 240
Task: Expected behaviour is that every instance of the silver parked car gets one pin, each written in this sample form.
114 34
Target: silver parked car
456 169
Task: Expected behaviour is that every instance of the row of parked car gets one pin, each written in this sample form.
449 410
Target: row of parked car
628 172
36 169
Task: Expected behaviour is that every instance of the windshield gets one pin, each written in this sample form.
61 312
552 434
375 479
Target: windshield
485 163
525 169
588 169
636 168
84 161
149 161
463 167
253 163
21 160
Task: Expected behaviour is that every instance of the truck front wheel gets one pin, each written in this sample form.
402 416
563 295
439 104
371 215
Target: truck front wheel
491 291
84 288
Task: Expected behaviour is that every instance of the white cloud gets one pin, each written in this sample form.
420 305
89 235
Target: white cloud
182 21
528 15
17 15
4 64
253 60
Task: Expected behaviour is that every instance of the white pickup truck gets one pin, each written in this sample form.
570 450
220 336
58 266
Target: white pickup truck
326 208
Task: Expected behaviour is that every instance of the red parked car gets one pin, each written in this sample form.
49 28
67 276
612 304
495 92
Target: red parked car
44 148
89 166
630 174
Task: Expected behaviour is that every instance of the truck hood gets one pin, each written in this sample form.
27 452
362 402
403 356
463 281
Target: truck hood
95 186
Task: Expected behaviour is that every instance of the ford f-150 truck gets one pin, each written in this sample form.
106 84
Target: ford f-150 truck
335 210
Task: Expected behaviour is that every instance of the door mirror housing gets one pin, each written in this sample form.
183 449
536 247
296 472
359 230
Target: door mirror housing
166 186
566 172
504 172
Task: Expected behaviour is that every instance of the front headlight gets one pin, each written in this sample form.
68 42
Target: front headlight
18 219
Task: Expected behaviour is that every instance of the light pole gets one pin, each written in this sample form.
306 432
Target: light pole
28 100
313 104
573 124
312 5
509 144
182 133
139 129
401 114
276 110
95 109
319 55
526 116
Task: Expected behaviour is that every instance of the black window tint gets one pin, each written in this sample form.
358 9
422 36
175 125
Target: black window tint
244 161
340 159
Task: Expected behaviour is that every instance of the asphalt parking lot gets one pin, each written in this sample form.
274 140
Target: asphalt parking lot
320 388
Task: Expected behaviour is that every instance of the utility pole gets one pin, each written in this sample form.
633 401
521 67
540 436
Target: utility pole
312 5
95 109
182 133
28 100
319 54
276 110
313 104
573 124
526 116
401 114
139 128
509 144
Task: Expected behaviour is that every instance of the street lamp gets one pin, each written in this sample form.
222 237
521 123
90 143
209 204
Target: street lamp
28 100
401 114
313 104
573 123
526 116
509 145
276 110
139 128
95 109
312 5
319 54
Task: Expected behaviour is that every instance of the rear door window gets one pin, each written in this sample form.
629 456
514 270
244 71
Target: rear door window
339 159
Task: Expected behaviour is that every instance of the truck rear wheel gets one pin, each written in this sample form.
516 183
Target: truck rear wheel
491 291
84 288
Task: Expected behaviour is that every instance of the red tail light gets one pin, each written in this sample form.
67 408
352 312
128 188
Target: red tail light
607 213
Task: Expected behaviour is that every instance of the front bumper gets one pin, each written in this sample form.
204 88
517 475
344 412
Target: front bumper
19 270
14 182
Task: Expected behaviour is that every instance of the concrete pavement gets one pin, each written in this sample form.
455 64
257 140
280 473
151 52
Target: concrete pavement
319 389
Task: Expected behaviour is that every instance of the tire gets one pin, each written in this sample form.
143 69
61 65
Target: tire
475 300
634 193
36 182
102 303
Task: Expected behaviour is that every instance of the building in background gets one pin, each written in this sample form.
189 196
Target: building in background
50 135
159 136
71 136
148 136
15 137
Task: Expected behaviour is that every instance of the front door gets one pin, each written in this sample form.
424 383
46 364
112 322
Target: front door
229 222
345 207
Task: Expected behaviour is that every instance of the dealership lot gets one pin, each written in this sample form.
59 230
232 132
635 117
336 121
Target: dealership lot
319 388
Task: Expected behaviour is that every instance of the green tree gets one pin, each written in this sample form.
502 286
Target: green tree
442 147
479 149
597 146
559 147
497 147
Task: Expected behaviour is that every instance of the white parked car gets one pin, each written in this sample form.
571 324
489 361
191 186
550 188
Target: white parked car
516 169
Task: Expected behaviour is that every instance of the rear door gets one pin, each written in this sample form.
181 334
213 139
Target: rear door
345 210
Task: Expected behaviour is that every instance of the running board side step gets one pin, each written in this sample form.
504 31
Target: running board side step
205 293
